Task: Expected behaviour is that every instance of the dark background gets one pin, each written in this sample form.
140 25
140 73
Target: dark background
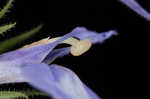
101 66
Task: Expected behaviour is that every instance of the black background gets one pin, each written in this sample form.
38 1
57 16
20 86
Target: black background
100 66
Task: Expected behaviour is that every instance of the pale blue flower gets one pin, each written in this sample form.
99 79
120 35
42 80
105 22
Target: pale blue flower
31 65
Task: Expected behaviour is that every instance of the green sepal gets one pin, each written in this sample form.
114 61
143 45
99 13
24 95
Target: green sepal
8 44
20 94
5 8
12 95
6 27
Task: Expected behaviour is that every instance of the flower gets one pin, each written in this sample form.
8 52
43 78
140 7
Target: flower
31 65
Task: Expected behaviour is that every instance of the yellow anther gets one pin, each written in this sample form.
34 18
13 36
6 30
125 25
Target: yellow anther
81 47
78 46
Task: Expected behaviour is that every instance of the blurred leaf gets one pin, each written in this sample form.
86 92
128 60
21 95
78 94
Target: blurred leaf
5 9
34 93
8 44
19 94
12 95
7 27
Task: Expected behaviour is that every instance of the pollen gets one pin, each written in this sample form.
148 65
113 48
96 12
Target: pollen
78 46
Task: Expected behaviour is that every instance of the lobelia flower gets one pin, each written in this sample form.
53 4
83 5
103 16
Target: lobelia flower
135 6
31 64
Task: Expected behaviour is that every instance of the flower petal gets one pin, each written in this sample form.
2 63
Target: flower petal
9 74
55 54
91 93
41 77
69 83
137 8
57 81
95 37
